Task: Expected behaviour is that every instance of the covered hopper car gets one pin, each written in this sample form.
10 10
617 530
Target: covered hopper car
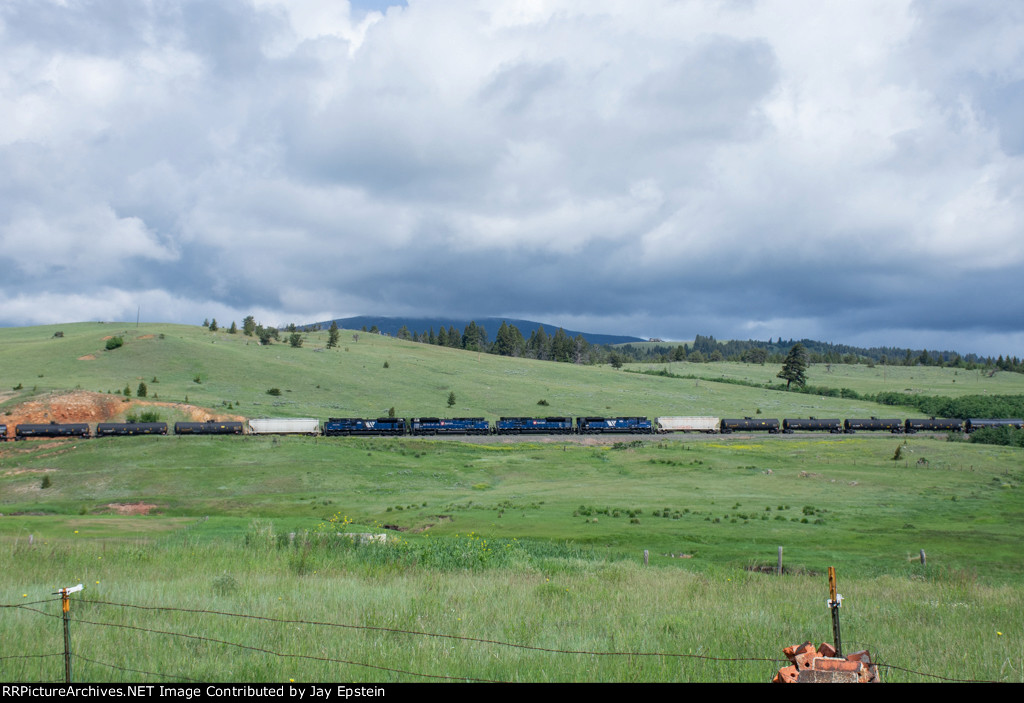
285 425
708 425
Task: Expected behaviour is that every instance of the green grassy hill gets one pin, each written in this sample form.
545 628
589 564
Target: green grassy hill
534 543
924 380
217 369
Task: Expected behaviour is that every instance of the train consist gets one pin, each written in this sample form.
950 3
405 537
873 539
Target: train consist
432 426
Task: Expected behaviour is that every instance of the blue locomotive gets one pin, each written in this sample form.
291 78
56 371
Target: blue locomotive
614 425
345 426
534 425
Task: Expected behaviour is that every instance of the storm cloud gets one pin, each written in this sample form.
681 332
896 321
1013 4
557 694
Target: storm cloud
850 171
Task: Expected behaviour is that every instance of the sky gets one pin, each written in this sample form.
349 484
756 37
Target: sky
847 171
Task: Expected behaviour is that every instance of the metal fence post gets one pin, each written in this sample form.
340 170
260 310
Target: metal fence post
65 604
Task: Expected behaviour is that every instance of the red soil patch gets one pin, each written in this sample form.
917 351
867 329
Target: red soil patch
87 357
130 508
146 336
85 406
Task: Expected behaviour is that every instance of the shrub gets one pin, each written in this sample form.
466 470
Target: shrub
1006 436
114 343
273 391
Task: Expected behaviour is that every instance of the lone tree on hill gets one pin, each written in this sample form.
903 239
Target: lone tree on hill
333 335
794 368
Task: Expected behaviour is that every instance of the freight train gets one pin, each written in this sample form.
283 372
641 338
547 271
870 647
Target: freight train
433 426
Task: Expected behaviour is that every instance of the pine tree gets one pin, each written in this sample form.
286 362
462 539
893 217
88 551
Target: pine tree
469 337
561 346
333 335
794 368
539 344
503 342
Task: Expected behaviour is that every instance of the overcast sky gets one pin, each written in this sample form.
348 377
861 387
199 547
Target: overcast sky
845 171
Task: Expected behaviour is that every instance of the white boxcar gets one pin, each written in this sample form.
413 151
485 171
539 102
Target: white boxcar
285 425
688 424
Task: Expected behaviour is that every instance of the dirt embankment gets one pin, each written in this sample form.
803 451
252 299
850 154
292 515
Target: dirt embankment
85 406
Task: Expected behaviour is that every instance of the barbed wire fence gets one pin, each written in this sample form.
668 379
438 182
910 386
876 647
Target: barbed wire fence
134 672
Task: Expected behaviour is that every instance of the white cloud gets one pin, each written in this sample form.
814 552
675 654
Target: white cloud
636 154
93 242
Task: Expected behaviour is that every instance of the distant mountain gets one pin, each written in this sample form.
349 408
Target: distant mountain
391 325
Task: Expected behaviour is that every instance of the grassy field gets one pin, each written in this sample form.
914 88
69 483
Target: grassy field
539 618
216 369
924 380
536 544
722 502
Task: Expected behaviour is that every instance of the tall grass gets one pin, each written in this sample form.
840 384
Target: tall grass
663 624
